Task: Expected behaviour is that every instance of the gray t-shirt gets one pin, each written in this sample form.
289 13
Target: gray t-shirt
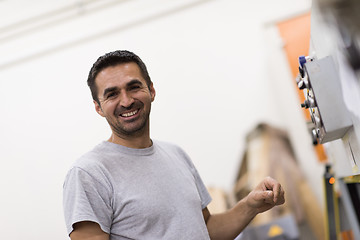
151 193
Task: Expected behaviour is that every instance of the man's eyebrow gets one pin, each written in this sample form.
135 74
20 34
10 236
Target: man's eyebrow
134 81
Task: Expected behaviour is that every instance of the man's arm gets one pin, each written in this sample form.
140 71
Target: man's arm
229 224
88 231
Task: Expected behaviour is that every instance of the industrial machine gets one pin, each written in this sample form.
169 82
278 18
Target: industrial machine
330 79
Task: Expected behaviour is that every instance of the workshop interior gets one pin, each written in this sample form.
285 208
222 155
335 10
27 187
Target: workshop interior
249 90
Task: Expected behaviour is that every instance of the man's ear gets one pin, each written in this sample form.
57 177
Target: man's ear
152 92
98 108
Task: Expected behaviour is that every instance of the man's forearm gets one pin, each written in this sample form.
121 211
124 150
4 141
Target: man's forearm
229 224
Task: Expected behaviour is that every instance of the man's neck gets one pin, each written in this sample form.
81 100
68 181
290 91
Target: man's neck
131 142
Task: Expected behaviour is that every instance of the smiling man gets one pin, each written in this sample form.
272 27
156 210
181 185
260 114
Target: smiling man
133 187
125 104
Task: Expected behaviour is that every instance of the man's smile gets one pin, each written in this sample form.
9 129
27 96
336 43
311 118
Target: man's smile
129 114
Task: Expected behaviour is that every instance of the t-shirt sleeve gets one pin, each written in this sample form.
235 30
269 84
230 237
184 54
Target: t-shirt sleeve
86 198
202 190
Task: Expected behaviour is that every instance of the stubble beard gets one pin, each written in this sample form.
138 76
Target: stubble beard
121 130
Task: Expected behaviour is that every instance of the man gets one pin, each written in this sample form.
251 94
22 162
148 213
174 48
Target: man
131 187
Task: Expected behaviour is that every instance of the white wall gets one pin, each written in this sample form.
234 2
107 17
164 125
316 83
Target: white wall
208 63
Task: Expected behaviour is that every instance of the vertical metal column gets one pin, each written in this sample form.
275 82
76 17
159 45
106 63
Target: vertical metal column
349 209
331 213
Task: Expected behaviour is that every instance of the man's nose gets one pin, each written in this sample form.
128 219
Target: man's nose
126 99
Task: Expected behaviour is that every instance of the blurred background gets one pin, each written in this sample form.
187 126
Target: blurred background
218 67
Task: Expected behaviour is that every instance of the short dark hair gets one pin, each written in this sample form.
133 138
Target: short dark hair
112 59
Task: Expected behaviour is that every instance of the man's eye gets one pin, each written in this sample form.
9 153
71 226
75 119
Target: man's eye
111 95
135 87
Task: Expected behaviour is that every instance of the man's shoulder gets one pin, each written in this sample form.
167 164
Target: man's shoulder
91 158
167 145
173 149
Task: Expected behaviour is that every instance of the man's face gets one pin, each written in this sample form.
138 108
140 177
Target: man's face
125 99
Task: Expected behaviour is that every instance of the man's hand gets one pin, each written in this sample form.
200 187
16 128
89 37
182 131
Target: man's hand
229 224
266 195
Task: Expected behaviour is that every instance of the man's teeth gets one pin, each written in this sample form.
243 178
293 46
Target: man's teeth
129 114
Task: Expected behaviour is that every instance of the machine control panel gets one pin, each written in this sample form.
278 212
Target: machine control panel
319 80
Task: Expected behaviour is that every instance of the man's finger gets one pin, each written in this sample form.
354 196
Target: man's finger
281 199
277 191
265 196
272 184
